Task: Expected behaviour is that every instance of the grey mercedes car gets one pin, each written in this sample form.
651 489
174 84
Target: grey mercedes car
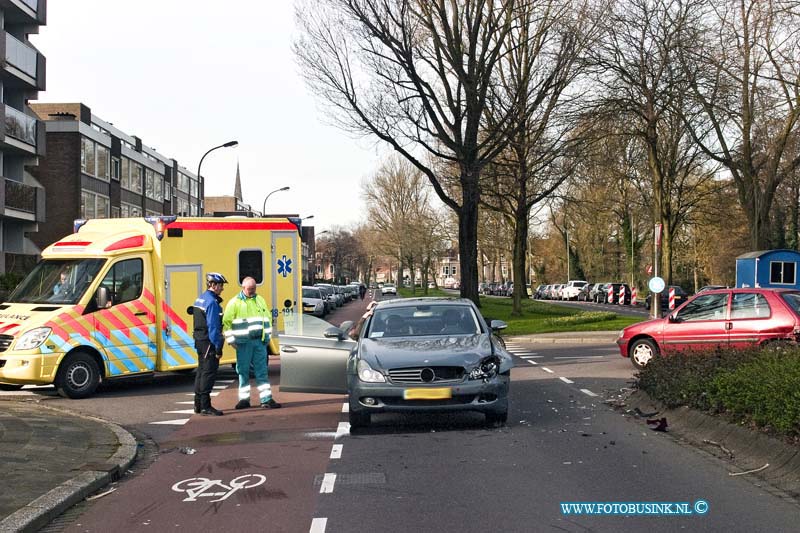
413 355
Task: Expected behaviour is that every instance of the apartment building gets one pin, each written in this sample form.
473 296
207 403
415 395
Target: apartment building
22 137
93 169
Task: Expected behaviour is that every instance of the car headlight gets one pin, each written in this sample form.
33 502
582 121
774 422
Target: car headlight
487 369
33 338
368 375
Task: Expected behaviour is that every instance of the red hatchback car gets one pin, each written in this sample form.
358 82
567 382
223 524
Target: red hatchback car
735 318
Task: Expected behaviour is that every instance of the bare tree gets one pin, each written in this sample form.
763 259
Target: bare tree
744 68
543 62
416 74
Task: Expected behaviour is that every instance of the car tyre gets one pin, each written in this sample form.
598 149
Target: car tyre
78 376
359 419
496 419
642 352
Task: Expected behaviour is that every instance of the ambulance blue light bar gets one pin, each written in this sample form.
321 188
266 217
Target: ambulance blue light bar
161 222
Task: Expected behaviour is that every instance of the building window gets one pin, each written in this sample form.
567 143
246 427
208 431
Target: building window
193 188
93 205
251 263
87 156
102 162
154 185
115 212
136 178
182 207
782 272
183 182
130 210
115 168
167 191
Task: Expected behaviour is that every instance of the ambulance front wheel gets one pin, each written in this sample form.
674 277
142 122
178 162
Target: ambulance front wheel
78 376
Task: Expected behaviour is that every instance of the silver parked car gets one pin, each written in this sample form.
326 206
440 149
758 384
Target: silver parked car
412 355
314 301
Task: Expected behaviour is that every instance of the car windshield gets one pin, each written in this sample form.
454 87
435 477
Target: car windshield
311 293
423 320
61 281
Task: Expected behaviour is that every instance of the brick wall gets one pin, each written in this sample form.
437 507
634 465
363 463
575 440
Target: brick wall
59 173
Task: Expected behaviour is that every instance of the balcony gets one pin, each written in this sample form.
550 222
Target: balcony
20 126
20 55
20 196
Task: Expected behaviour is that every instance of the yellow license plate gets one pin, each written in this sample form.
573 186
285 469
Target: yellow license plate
427 394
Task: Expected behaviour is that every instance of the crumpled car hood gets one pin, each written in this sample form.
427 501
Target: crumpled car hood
459 350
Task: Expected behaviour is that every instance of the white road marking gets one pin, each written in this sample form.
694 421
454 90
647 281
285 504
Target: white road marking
588 392
532 362
185 403
177 422
225 381
531 356
547 370
211 394
318 525
327 483
336 451
220 387
180 412
565 380
345 407
343 429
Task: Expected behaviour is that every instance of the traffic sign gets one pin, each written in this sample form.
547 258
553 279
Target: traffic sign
656 284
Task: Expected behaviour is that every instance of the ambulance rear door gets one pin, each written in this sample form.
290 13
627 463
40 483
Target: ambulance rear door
286 272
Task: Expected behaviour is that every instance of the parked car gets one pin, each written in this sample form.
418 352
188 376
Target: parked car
314 301
538 294
583 294
388 288
571 289
414 355
680 297
595 292
734 318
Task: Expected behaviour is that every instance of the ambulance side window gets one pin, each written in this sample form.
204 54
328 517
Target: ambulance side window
251 263
124 281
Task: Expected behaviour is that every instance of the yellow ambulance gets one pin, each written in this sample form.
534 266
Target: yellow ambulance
113 299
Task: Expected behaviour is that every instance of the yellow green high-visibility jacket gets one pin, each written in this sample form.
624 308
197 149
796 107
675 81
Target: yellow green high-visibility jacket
246 318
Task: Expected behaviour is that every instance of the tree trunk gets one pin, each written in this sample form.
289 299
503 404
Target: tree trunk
468 236
520 253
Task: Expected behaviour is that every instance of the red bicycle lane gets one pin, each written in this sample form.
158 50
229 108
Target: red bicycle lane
253 470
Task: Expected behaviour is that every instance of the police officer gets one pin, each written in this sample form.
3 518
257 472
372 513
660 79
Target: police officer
208 340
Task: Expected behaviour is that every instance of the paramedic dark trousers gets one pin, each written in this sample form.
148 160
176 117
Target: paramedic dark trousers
207 366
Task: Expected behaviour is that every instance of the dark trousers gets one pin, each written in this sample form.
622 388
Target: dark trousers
207 366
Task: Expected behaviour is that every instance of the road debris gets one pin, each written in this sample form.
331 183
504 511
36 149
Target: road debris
96 496
749 471
720 446
660 423
640 414
187 450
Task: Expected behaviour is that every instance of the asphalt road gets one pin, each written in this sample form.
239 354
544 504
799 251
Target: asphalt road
447 473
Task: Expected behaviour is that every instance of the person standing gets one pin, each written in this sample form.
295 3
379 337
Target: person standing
247 327
207 314
362 290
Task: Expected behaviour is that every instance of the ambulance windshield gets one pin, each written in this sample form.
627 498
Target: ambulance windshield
57 281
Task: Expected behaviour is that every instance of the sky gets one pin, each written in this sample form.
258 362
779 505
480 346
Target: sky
187 75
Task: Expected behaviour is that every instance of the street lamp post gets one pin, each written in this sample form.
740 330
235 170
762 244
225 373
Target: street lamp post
264 208
226 145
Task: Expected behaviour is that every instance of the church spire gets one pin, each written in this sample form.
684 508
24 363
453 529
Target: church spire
237 191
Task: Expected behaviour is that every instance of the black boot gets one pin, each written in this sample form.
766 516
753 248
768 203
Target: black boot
210 411
197 404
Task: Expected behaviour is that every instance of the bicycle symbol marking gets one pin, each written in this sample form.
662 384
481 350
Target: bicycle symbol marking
201 487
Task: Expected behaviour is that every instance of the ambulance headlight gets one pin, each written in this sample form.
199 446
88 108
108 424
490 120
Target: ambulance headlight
33 339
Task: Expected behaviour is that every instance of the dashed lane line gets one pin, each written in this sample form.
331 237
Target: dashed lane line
588 392
336 451
342 430
318 525
180 412
532 362
565 380
192 394
547 370
345 407
327 483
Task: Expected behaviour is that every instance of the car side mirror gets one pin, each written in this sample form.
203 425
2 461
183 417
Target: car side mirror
102 297
337 333
497 325
672 318
346 325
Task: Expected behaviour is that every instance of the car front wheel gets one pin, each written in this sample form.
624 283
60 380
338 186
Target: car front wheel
358 420
641 352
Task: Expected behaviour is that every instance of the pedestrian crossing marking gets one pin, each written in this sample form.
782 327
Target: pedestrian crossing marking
176 422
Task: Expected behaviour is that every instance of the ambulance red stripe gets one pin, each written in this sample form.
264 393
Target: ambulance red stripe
72 323
233 226
7 327
173 316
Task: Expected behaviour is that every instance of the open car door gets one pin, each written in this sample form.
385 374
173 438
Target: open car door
312 361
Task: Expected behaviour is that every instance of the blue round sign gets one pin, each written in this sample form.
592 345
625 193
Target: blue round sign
656 284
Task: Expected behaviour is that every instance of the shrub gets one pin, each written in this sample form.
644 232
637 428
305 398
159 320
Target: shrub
765 391
758 385
581 318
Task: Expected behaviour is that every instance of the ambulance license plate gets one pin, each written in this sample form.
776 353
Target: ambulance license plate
427 394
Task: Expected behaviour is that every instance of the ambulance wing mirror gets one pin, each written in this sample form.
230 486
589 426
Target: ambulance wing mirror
102 297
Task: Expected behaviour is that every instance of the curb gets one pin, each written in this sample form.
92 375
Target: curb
567 338
749 449
50 505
